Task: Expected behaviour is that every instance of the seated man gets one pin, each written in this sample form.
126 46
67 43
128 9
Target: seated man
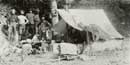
36 44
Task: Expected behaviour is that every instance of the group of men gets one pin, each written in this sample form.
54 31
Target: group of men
22 23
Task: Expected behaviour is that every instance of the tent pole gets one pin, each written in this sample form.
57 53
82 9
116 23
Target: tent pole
85 43
89 44
67 9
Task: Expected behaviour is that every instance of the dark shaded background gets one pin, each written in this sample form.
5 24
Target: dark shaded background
118 11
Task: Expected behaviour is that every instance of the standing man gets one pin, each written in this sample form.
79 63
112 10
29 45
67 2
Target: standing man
30 17
43 27
22 22
45 31
12 22
37 20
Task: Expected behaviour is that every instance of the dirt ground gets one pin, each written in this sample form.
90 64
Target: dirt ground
108 56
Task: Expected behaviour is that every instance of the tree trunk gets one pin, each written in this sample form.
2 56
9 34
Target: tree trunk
54 13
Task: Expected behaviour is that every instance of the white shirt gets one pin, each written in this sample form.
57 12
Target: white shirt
3 20
22 19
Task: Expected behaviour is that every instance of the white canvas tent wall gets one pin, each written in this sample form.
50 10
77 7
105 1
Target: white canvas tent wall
88 17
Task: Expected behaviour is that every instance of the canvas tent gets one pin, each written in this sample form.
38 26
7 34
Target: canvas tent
93 20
